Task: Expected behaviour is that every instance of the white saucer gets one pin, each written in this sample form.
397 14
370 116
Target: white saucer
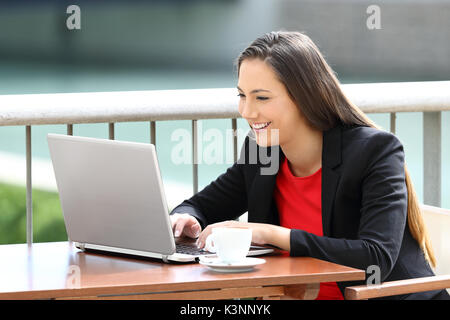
244 265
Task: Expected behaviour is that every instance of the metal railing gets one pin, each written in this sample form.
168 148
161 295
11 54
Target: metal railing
150 106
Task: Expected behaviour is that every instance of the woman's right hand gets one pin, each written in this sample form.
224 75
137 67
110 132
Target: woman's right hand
183 224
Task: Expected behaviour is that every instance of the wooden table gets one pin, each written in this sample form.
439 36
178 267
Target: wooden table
58 270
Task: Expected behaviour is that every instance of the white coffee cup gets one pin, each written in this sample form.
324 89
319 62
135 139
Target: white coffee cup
230 244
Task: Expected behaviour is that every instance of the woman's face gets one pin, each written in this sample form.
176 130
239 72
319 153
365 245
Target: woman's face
266 104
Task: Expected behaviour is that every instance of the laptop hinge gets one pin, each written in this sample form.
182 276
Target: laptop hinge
165 258
80 246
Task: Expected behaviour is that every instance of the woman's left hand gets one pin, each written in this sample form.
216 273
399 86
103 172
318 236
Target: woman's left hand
259 231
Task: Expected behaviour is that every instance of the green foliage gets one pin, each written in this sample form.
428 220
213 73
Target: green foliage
48 222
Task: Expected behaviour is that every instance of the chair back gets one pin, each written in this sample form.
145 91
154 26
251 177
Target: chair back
437 221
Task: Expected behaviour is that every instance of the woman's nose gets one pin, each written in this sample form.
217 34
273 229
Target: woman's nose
248 111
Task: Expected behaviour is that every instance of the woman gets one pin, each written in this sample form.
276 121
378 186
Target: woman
341 192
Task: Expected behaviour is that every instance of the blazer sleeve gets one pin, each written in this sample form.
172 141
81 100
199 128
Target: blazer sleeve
223 199
383 214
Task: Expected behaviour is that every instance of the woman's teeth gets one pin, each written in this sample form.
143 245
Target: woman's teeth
260 126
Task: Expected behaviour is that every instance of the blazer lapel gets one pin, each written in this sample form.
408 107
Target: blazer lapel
331 158
261 206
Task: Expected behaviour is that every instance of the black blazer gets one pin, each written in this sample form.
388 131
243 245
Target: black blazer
364 203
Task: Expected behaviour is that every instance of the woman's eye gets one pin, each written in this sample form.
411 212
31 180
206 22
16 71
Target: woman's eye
257 98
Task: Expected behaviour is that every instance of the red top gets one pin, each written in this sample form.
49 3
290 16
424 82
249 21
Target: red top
299 202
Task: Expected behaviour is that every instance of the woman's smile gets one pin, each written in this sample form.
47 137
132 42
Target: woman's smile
261 126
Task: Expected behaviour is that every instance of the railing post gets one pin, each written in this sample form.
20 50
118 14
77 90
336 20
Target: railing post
194 157
393 122
153 133
235 142
29 199
432 158
111 130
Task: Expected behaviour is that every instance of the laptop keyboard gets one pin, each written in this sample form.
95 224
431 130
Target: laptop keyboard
190 249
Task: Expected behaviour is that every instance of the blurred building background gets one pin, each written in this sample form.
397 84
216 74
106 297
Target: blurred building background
413 42
181 44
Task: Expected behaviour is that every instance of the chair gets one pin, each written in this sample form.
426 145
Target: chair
437 221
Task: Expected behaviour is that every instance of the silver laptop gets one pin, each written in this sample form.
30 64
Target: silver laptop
113 200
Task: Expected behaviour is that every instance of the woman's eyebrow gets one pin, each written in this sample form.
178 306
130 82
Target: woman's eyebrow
255 90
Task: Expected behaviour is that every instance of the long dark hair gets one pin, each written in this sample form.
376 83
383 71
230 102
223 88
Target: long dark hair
315 89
